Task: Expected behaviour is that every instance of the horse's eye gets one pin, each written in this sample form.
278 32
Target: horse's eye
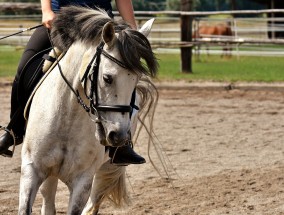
108 79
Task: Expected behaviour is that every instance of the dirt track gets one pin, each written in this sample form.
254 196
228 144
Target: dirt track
225 150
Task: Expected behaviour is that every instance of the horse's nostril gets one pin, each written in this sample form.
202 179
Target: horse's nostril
112 136
117 138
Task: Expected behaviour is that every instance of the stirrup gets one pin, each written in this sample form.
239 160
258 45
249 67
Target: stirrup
9 153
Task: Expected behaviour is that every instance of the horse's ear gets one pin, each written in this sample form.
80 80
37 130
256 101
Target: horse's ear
108 34
146 28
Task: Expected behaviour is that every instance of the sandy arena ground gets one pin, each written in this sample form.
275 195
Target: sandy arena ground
224 152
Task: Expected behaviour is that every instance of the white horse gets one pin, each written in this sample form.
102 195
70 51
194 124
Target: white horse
83 105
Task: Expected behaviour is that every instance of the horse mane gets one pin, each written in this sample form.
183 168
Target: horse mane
75 23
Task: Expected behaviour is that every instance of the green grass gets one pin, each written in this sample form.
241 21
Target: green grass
215 68
212 68
9 58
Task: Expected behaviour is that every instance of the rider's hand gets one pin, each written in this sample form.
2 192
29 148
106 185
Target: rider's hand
47 18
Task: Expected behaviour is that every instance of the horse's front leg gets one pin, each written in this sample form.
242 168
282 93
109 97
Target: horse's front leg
109 182
29 185
80 188
48 191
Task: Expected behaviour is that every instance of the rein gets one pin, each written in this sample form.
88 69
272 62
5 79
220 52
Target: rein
94 106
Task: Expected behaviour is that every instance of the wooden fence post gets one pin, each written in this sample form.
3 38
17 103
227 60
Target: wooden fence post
186 36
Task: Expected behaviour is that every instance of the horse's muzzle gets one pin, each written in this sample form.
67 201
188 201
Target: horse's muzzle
118 138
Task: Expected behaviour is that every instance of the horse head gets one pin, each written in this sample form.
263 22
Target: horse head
117 79
122 56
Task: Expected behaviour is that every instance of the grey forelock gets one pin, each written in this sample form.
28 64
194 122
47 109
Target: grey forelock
85 24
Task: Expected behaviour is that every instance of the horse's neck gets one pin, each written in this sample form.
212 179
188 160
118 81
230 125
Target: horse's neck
72 61
55 111
70 67
64 87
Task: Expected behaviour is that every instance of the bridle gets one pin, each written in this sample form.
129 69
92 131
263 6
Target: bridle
93 77
92 72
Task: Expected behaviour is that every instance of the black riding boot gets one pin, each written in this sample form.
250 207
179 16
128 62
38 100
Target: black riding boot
7 140
125 155
16 124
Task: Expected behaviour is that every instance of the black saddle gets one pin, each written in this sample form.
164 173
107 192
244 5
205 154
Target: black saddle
30 76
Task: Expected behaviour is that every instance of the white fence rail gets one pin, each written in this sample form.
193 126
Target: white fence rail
250 35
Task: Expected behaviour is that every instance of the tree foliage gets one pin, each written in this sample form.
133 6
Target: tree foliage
173 5
198 5
31 1
217 5
148 5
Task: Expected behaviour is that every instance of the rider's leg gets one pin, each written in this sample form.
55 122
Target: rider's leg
39 41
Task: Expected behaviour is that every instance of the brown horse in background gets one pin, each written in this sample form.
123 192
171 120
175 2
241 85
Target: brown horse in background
222 31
